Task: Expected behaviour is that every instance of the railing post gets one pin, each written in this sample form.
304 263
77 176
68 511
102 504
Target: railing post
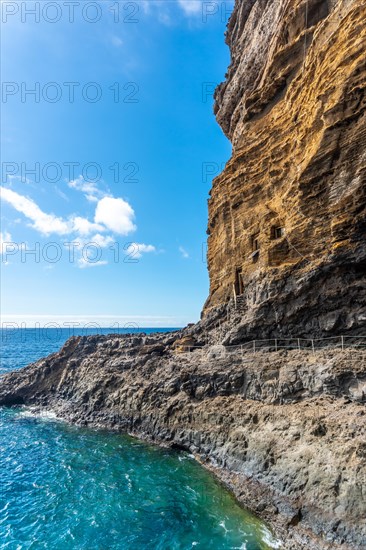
276 344
298 344
313 347
342 340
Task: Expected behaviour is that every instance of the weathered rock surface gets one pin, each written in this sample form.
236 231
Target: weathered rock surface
287 216
284 430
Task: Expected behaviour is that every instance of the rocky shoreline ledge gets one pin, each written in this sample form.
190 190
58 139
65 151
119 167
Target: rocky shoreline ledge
285 431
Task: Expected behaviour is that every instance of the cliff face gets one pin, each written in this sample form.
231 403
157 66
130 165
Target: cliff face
287 216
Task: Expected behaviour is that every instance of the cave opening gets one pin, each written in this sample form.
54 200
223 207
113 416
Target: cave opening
277 232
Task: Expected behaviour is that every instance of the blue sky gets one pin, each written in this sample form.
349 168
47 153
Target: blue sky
117 147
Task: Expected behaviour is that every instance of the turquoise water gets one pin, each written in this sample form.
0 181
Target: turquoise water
65 488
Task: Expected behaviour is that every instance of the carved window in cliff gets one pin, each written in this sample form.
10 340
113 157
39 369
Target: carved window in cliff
277 232
239 287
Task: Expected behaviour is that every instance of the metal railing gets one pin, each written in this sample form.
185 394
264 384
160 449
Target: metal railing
277 344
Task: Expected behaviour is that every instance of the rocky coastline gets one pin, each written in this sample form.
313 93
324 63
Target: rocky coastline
285 430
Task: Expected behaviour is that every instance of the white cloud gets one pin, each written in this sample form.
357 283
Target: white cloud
116 214
4 239
112 215
162 10
42 222
89 188
22 179
14 248
136 250
102 240
84 263
87 250
183 252
85 227
191 7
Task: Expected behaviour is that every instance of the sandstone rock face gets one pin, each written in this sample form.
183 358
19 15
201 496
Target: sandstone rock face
287 216
284 430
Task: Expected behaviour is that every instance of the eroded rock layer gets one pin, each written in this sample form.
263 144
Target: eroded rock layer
284 430
287 216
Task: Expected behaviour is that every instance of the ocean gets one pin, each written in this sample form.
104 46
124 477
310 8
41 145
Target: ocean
70 488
